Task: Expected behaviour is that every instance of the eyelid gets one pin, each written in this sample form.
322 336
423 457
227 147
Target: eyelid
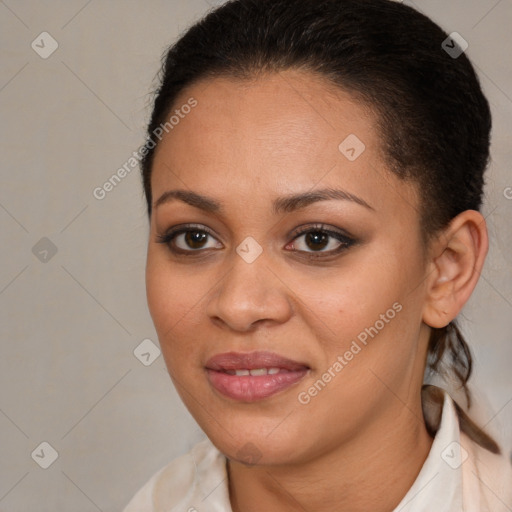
307 228
181 228
345 239
170 235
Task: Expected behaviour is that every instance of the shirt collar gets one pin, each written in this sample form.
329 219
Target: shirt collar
438 485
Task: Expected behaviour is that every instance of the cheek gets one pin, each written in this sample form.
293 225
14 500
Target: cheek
365 310
174 299
351 298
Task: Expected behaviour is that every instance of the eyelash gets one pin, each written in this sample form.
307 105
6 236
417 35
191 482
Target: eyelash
345 240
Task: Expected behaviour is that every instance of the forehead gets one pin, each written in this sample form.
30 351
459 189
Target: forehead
280 132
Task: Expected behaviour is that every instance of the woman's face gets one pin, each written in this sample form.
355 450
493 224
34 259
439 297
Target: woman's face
328 286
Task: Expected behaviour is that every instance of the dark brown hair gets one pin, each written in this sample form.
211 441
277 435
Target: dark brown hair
433 117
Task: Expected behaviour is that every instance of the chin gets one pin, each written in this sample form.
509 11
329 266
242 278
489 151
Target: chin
254 452
253 442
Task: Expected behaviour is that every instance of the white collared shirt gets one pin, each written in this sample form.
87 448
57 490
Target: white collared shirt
457 476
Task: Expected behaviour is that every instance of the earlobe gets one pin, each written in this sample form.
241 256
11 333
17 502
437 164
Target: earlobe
458 255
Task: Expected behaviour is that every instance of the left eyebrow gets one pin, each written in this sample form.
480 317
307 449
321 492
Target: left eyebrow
285 204
294 202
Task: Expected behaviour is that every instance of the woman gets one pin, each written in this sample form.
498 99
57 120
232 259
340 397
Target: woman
313 175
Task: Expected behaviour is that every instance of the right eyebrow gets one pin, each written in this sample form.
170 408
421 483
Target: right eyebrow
192 198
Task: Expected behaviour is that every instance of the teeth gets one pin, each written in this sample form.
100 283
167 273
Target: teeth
259 371
255 372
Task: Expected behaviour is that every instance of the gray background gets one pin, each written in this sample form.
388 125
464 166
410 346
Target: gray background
71 322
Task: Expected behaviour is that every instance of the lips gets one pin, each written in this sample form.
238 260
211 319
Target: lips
253 376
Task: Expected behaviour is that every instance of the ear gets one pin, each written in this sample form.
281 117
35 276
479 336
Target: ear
456 261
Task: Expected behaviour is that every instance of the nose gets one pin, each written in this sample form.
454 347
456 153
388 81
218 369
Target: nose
250 294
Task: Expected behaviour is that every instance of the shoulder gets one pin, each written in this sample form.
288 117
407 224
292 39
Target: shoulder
180 482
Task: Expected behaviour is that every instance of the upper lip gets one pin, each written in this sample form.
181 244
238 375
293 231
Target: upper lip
251 361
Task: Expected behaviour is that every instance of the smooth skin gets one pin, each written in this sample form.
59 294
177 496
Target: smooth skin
360 443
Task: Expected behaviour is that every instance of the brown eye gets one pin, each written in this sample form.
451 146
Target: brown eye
189 239
195 239
317 239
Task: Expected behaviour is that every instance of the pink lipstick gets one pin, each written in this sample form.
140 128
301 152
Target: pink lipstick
253 376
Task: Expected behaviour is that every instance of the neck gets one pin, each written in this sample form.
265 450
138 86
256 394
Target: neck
372 472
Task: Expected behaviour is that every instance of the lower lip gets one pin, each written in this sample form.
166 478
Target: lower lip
250 388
